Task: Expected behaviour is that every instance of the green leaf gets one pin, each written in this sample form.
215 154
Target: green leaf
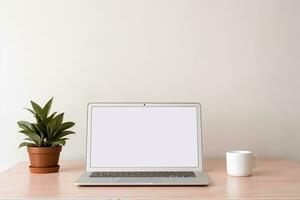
30 111
26 144
50 117
35 137
66 126
62 134
26 131
29 139
59 119
46 121
41 124
25 125
55 125
59 142
38 110
47 107
38 130
49 129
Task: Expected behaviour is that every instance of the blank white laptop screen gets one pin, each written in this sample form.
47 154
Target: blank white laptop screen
150 136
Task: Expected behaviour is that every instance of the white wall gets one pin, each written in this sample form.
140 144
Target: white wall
240 59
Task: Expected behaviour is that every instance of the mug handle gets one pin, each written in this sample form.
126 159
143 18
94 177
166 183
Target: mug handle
254 161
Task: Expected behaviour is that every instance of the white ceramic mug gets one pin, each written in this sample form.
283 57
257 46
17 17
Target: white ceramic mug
240 163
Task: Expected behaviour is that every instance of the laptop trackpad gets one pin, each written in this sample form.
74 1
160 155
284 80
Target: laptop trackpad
140 180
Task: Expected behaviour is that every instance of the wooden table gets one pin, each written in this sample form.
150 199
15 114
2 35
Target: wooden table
273 179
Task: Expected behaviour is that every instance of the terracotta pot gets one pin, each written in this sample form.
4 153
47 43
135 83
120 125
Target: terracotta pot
44 159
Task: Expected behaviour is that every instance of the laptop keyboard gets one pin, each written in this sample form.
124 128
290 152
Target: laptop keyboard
167 174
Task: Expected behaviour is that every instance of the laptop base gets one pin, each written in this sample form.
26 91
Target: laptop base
86 180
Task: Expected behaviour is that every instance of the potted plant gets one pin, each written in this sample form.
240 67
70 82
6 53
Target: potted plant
45 138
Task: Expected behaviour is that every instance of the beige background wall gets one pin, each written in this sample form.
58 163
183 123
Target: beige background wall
240 59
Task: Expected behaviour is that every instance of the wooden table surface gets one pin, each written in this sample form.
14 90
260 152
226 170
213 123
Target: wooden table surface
272 179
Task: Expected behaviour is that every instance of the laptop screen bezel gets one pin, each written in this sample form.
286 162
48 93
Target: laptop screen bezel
143 104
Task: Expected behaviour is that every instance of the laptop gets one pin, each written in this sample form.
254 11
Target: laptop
143 144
